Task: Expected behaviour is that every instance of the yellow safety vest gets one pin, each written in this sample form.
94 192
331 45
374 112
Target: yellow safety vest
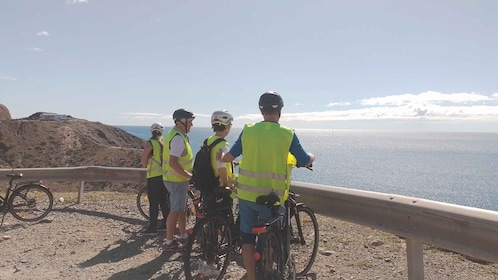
154 165
186 160
214 164
263 168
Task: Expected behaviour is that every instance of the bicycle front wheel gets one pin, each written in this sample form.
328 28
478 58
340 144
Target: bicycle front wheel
143 202
31 203
304 239
208 249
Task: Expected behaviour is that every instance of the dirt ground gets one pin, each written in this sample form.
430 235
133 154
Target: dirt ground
99 239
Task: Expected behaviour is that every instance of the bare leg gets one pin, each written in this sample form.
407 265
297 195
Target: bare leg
171 224
182 223
249 262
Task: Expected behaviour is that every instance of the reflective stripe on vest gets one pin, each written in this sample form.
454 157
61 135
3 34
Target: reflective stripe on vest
186 160
263 168
154 165
266 175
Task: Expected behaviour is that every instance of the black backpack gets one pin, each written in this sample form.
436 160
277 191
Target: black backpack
203 176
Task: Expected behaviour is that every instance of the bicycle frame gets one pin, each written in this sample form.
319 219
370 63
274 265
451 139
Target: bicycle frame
10 190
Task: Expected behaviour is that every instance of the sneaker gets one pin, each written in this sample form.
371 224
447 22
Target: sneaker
210 271
182 241
162 226
175 246
149 231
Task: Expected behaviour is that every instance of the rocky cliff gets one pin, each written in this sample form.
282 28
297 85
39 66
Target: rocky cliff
36 142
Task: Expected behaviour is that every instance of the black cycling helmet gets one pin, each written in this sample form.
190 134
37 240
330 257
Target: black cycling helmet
271 99
182 114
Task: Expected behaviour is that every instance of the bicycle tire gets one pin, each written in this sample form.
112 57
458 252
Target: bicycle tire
143 202
304 239
30 203
269 266
210 242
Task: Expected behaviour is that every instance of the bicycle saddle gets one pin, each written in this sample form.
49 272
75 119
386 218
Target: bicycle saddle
268 199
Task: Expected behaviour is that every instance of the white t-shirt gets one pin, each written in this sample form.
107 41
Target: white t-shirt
177 146
225 149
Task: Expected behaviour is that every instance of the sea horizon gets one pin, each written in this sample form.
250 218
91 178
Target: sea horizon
452 167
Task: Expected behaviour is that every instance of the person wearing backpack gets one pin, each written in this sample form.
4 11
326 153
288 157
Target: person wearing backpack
210 175
177 171
215 179
265 148
221 122
156 191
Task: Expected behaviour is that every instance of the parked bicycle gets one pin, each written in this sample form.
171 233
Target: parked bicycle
26 201
143 204
273 255
303 234
214 238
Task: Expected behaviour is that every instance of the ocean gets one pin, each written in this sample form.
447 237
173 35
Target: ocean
457 168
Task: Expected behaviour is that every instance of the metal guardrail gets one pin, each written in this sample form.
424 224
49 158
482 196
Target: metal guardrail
469 231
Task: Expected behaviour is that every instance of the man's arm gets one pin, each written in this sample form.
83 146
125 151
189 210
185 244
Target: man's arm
302 157
177 146
235 151
173 163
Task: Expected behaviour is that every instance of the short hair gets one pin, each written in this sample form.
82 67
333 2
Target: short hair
218 127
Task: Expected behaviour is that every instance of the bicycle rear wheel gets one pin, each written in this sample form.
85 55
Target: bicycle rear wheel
270 265
208 249
31 202
143 202
304 239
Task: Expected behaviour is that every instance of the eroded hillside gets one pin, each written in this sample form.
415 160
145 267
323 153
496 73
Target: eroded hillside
71 142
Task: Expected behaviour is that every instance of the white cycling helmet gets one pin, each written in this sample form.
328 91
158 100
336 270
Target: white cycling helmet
221 117
157 127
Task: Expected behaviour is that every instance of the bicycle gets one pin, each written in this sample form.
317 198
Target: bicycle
213 239
274 257
143 204
26 201
303 234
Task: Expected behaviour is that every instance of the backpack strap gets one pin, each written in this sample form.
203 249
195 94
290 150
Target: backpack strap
215 142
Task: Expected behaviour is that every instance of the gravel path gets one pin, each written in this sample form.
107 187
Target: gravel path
99 239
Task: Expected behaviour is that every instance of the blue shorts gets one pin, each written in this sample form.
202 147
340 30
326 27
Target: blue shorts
177 195
251 213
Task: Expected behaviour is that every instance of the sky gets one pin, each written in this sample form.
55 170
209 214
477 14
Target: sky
420 65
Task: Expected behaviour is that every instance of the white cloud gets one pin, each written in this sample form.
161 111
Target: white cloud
8 78
427 105
426 97
338 104
36 49
76 1
42 34
145 116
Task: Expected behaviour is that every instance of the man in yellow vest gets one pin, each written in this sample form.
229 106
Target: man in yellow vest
265 148
178 161
157 193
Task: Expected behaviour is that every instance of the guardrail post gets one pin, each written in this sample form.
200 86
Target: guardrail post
80 193
415 257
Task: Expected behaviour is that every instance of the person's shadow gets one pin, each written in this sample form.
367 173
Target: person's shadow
148 270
